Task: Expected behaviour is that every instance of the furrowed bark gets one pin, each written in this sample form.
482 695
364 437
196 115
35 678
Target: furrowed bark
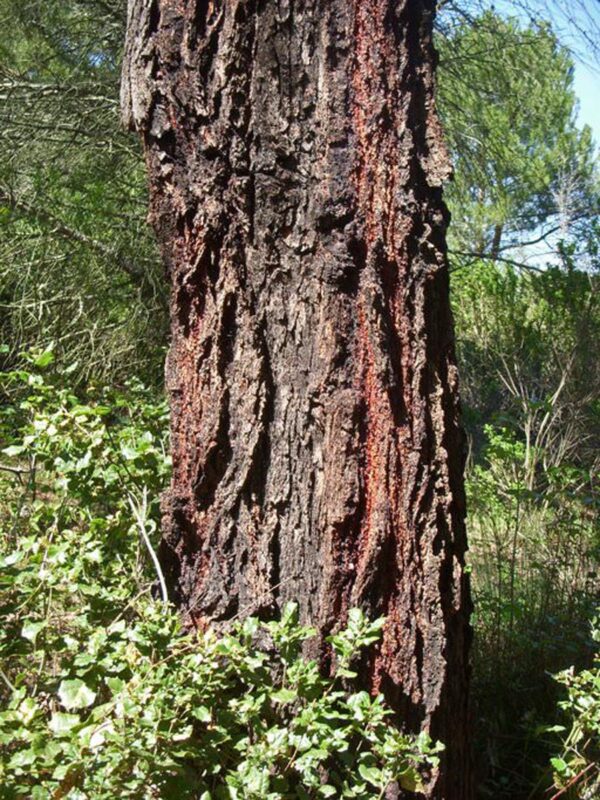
296 164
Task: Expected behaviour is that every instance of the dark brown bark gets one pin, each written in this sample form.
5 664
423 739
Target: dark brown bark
296 164
495 252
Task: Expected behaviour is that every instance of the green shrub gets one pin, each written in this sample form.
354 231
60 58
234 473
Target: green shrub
138 710
577 769
104 695
534 556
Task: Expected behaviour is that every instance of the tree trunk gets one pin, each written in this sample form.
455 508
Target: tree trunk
296 163
495 251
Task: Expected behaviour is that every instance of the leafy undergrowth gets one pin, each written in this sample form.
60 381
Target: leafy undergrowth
577 769
534 553
103 694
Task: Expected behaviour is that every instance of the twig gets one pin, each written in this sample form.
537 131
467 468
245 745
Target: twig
58 227
486 257
7 681
15 470
572 781
140 514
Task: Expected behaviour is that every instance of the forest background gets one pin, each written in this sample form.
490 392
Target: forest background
83 425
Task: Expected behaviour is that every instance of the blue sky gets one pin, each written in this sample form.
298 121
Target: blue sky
587 88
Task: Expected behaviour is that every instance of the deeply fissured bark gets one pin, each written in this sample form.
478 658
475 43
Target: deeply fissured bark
296 163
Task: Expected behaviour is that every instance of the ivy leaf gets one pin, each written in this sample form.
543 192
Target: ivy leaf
75 694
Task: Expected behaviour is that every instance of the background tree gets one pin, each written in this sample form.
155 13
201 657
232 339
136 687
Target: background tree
524 170
77 264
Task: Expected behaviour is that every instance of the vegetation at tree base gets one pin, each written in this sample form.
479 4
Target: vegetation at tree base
103 694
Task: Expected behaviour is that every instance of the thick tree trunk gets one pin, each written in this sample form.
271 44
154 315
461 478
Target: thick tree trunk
296 163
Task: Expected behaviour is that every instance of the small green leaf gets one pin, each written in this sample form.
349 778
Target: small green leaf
75 694
202 714
44 359
129 453
372 775
13 450
284 696
30 630
61 723
327 790
27 710
559 765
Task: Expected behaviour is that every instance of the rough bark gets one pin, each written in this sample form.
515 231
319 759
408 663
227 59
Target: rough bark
296 163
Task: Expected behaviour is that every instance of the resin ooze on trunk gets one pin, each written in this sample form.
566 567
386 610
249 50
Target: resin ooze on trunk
296 163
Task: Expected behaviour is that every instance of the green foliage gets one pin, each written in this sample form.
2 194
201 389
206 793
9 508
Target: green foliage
577 769
155 713
506 96
535 554
77 261
534 557
104 694
526 361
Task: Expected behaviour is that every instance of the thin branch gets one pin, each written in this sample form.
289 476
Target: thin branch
140 512
15 470
485 257
59 227
572 782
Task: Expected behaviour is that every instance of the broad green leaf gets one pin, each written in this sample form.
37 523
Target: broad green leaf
75 694
61 723
30 630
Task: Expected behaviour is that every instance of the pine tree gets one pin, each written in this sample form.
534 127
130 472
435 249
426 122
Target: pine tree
296 164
